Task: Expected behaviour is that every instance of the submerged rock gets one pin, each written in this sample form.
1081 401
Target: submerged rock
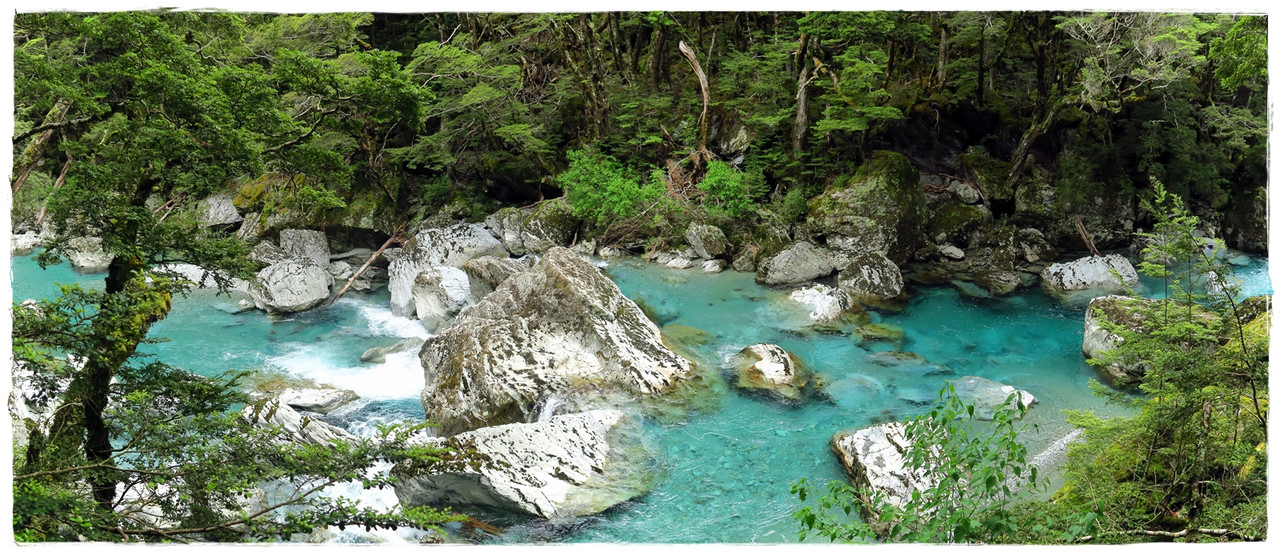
290 286
873 459
567 466
379 354
451 246
769 367
989 395
893 335
561 328
801 262
1089 274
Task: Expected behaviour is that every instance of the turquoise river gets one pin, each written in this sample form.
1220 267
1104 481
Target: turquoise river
725 470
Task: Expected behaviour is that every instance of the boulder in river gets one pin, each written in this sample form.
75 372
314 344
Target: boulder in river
1093 273
769 367
273 412
801 262
290 286
874 280
488 272
439 293
450 246
829 307
379 354
316 400
24 244
560 328
536 228
566 466
86 254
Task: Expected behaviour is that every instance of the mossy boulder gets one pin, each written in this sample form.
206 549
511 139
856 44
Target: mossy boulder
954 222
536 228
991 175
879 332
881 208
769 367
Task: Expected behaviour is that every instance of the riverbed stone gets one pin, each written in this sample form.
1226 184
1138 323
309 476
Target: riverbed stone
799 263
829 306
316 400
562 328
570 465
266 253
713 266
25 243
275 413
1092 274
306 244
989 395
486 273
769 367
290 286
449 246
708 241
880 332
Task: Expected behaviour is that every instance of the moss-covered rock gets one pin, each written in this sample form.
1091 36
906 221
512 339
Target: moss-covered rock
769 367
881 208
954 222
990 174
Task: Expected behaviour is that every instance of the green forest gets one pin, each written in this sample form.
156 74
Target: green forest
1097 131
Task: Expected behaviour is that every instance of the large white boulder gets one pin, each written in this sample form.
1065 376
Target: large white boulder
708 241
567 466
290 286
1094 273
218 211
439 293
275 413
801 262
560 328
306 244
872 457
316 400
827 305
86 254
872 279
450 246
23 244
203 278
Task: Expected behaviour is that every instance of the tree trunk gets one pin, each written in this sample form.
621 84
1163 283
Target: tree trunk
1018 162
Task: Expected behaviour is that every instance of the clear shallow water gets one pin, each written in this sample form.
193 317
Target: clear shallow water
726 470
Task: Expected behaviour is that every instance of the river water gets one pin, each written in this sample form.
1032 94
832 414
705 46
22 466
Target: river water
725 469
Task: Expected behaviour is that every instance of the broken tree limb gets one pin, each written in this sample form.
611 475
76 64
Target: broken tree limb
395 237
701 152
1084 234
62 178
35 150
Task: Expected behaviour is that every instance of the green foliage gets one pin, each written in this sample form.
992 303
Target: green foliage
1193 451
1241 56
972 475
728 190
603 192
